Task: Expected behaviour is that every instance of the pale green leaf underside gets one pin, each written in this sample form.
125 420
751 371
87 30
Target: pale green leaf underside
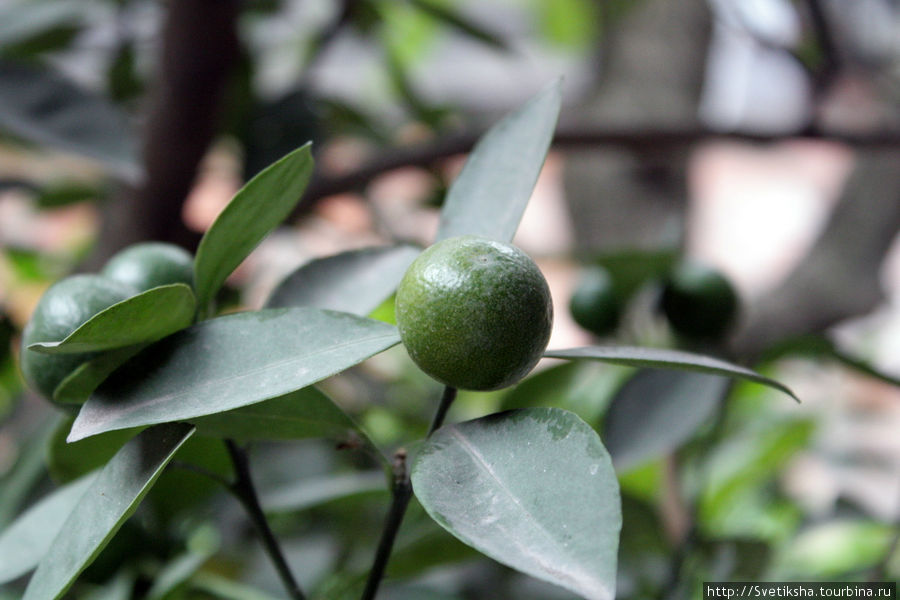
489 196
27 539
660 358
231 362
110 499
534 489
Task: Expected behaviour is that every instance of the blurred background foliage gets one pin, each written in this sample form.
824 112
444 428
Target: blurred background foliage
761 138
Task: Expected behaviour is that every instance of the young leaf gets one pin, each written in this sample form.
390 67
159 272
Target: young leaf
356 282
25 542
531 488
146 317
42 107
660 358
109 500
490 194
655 411
230 362
305 413
260 206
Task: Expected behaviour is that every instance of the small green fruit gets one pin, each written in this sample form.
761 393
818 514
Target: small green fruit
595 304
474 313
151 264
699 302
61 310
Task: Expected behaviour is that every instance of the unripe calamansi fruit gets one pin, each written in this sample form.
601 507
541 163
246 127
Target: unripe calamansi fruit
61 310
151 264
595 304
474 313
699 302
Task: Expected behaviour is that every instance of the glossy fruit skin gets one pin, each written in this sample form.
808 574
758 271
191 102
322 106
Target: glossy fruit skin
61 310
151 264
474 313
699 302
595 304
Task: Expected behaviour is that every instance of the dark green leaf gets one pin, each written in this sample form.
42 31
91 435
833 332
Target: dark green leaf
305 413
356 282
42 107
227 589
490 194
25 542
24 24
230 362
310 492
453 18
18 480
145 317
533 489
823 347
656 411
80 383
258 207
64 194
661 358
66 462
108 501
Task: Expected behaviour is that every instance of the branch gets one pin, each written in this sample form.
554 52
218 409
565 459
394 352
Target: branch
567 136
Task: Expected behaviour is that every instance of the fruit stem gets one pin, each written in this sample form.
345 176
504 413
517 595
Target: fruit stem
401 493
244 490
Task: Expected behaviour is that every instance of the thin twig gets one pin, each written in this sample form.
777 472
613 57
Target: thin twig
401 494
245 492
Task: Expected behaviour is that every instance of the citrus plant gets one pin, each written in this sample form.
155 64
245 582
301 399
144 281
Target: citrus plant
533 488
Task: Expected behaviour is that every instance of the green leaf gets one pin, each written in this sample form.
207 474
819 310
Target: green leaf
449 16
311 492
109 500
533 489
23 21
258 207
42 107
230 362
661 358
66 462
145 317
80 383
356 282
656 411
305 413
226 589
27 539
490 194
20 478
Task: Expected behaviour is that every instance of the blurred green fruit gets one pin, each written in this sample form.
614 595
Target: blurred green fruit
61 310
151 264
699 302
474 313
595 304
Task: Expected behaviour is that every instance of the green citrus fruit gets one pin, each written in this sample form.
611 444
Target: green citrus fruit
150 264
699 302
595 304
474 313
61 310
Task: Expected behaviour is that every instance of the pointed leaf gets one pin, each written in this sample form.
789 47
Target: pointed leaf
656 411
305 413
258 208
146 317
531 488
490 194
229 362
110 499
661 358
80 383
356 282
25 542
39 105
